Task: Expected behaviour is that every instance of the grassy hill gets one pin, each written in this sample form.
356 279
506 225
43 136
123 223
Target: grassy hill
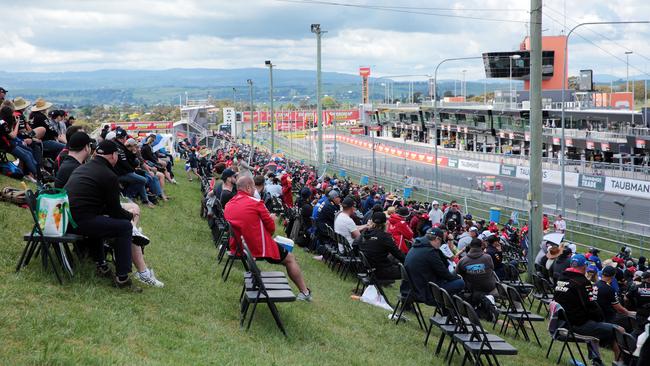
194 319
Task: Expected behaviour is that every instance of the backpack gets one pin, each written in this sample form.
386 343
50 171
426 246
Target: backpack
11 170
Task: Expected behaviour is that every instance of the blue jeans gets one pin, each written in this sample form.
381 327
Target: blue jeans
453 287
26 157
154 184
52 148
135 184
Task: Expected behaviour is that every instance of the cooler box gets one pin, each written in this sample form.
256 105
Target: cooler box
364 180
342 173
495 214
286 243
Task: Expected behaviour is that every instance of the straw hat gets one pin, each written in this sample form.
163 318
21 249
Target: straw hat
41 105
553 252
20 103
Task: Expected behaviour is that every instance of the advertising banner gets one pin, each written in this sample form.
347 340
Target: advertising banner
357 131
592 182
628 187
452 163
508 170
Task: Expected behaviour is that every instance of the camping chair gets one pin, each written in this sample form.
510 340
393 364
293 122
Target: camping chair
409 298
38 243
477 342
564 333
436 320
519 316
259 293
627 346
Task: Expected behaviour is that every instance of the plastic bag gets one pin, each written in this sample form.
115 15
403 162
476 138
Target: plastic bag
373 297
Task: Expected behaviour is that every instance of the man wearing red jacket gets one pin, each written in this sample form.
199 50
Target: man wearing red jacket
399 229
248 217
287 194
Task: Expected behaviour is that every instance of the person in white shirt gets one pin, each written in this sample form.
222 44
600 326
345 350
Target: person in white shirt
344 225
467 238
273 187
435 215
560 224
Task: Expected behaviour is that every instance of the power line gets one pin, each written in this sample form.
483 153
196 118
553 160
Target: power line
401 10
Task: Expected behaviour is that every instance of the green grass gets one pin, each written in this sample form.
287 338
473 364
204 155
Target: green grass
194 319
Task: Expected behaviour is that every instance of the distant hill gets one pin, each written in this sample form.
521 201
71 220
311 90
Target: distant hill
165 86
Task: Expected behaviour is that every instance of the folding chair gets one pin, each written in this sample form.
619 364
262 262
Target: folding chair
477 342
274 280
38 243
627 346
564 333
368 278
436 320
260 294
230 261
409 298
542 293
456 324
519 316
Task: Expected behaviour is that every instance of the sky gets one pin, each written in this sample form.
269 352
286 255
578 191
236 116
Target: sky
84 35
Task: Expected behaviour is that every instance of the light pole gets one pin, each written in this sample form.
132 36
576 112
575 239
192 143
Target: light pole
435 109
315 28
463 87
627 70
270 65
564 86
234 104
512 57
250 87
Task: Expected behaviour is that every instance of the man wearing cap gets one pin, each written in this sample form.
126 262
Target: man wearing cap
399 229
125 169
493 249
3 94
426 263
575 293
477 271
593 257
639 297
78 152
327 213
608 301
94 194
435 214
343 223
249 218
380 250
228 189
467 237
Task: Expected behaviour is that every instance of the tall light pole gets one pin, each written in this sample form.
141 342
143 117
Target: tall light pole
627 70
234 104
463 87
270 65
536 135
435 108
564 70
512 57
250 87
315 28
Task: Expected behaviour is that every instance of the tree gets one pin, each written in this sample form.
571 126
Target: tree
448 93
329 102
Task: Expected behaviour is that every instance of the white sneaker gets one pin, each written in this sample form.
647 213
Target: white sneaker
149 279
139 238
304 296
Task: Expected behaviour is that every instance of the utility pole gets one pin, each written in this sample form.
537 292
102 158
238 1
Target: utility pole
315 28
627 70
250 86
535 182
234 105
270 65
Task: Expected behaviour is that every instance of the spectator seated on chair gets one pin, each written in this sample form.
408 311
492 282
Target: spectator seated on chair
427 263
380 249
575 293
343 223
125 169
477 271
78 151
609 303
248 217
400 229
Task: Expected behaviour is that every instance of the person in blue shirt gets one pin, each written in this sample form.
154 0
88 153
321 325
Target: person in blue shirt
595 259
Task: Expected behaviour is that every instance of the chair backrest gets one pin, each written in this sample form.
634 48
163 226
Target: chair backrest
370 270
256 274
516 302
30 199
407 280
626 344
475 327
453 316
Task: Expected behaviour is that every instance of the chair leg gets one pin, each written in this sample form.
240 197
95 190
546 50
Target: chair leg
276 316
440 343
419 316
398 306
47 256
23 256
242 312
426 338
548 352
564 345
381 291
581 354
250 319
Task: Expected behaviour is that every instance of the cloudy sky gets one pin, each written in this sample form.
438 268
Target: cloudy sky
76 35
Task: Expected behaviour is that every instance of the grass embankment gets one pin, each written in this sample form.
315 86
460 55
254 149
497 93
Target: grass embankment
194 319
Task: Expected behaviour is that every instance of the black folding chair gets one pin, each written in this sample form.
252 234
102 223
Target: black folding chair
542 292
477 342
564 333
456 324
518 316
232 258
404 300
438 318
369 278
259 293
627 346
38 243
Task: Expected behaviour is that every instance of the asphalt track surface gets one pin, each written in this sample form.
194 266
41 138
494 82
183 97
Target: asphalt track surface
592 202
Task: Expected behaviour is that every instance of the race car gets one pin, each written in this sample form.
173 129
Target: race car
488 183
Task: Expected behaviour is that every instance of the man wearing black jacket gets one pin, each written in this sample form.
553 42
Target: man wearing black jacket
94 195
426 263
125 168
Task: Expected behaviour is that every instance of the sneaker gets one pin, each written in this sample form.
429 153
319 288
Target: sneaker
149 278
139 238
103 271
304 296
126 284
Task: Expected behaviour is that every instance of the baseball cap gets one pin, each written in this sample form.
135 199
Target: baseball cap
379 218
3 90
105 147
468 217
227 174
592 268
348 202
578 260
78 141
474 229
434 203
110 136
609 271
120 133
333 194
435 232
403 211
646 275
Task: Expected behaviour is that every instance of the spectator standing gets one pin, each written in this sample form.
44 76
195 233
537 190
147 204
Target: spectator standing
435 215
559 224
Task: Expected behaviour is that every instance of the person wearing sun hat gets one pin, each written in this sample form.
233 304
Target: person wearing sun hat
574 293
53 142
